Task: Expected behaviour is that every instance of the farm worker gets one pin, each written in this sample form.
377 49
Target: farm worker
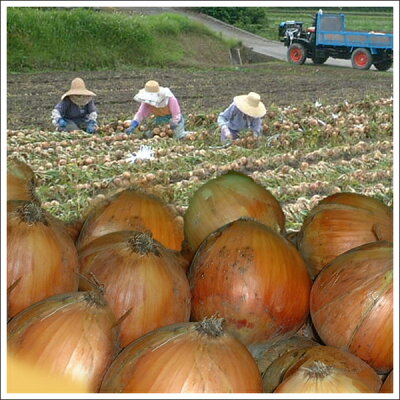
161 102
76 110
245 112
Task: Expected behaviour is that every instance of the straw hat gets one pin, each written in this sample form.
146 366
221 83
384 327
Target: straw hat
153 94
152 87
250 104
78 88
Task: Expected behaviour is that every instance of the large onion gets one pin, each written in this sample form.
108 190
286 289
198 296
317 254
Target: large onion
71 334
339 223
320 369
42 259
141 277
191 357
225 199
21 181
351 304
254 278
137 210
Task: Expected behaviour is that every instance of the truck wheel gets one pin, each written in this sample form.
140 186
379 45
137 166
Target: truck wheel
361 59
296 53
384 65
319 60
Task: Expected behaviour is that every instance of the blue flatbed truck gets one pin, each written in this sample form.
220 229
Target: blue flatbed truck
329 38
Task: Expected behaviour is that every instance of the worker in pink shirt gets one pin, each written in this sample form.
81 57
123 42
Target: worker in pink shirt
161 102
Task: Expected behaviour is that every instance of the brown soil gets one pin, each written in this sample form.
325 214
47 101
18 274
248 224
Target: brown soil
31 97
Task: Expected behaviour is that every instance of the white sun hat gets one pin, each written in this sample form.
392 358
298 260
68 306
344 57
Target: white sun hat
250 104
153 94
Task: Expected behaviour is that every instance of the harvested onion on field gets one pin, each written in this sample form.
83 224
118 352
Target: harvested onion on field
225 199
141 278
133 209
42 259
72 334
351 304
254 278
320 369
192 357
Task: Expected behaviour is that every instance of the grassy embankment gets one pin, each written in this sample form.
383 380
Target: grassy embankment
83 39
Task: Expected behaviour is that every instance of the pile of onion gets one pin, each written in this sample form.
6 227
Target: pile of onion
191 357
225 199
42 259
320 369
133 209
339 223
71 334
250 275
21 181
351 304
145 283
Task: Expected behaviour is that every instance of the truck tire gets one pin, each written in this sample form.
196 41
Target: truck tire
361 59
296 53
383 65
319 60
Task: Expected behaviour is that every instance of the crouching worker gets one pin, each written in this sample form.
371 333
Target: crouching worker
76 110
161 102
244 113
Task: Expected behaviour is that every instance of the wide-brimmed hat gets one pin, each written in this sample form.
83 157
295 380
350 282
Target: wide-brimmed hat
250 104
153 94
78 88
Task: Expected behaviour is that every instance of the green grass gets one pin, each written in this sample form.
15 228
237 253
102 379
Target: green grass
83 39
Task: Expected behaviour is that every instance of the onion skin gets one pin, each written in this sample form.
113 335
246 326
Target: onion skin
133 209
351 304
40 253
21 181
141 276
387 386
180 358
339 223
225 199
254 278
71 334
346 372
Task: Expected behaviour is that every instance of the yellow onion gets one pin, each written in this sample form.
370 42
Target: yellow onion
41 256
254 278
191 357
351 304
225 199
387 386
140 277
339 223
71 334
266 353
320 369
137 210
21 181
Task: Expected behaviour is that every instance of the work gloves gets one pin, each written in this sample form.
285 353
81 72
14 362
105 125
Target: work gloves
134 125
62 123
91 126
226 134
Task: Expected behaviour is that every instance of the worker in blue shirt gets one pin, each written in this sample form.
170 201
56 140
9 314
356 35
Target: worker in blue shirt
245 112
76 110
